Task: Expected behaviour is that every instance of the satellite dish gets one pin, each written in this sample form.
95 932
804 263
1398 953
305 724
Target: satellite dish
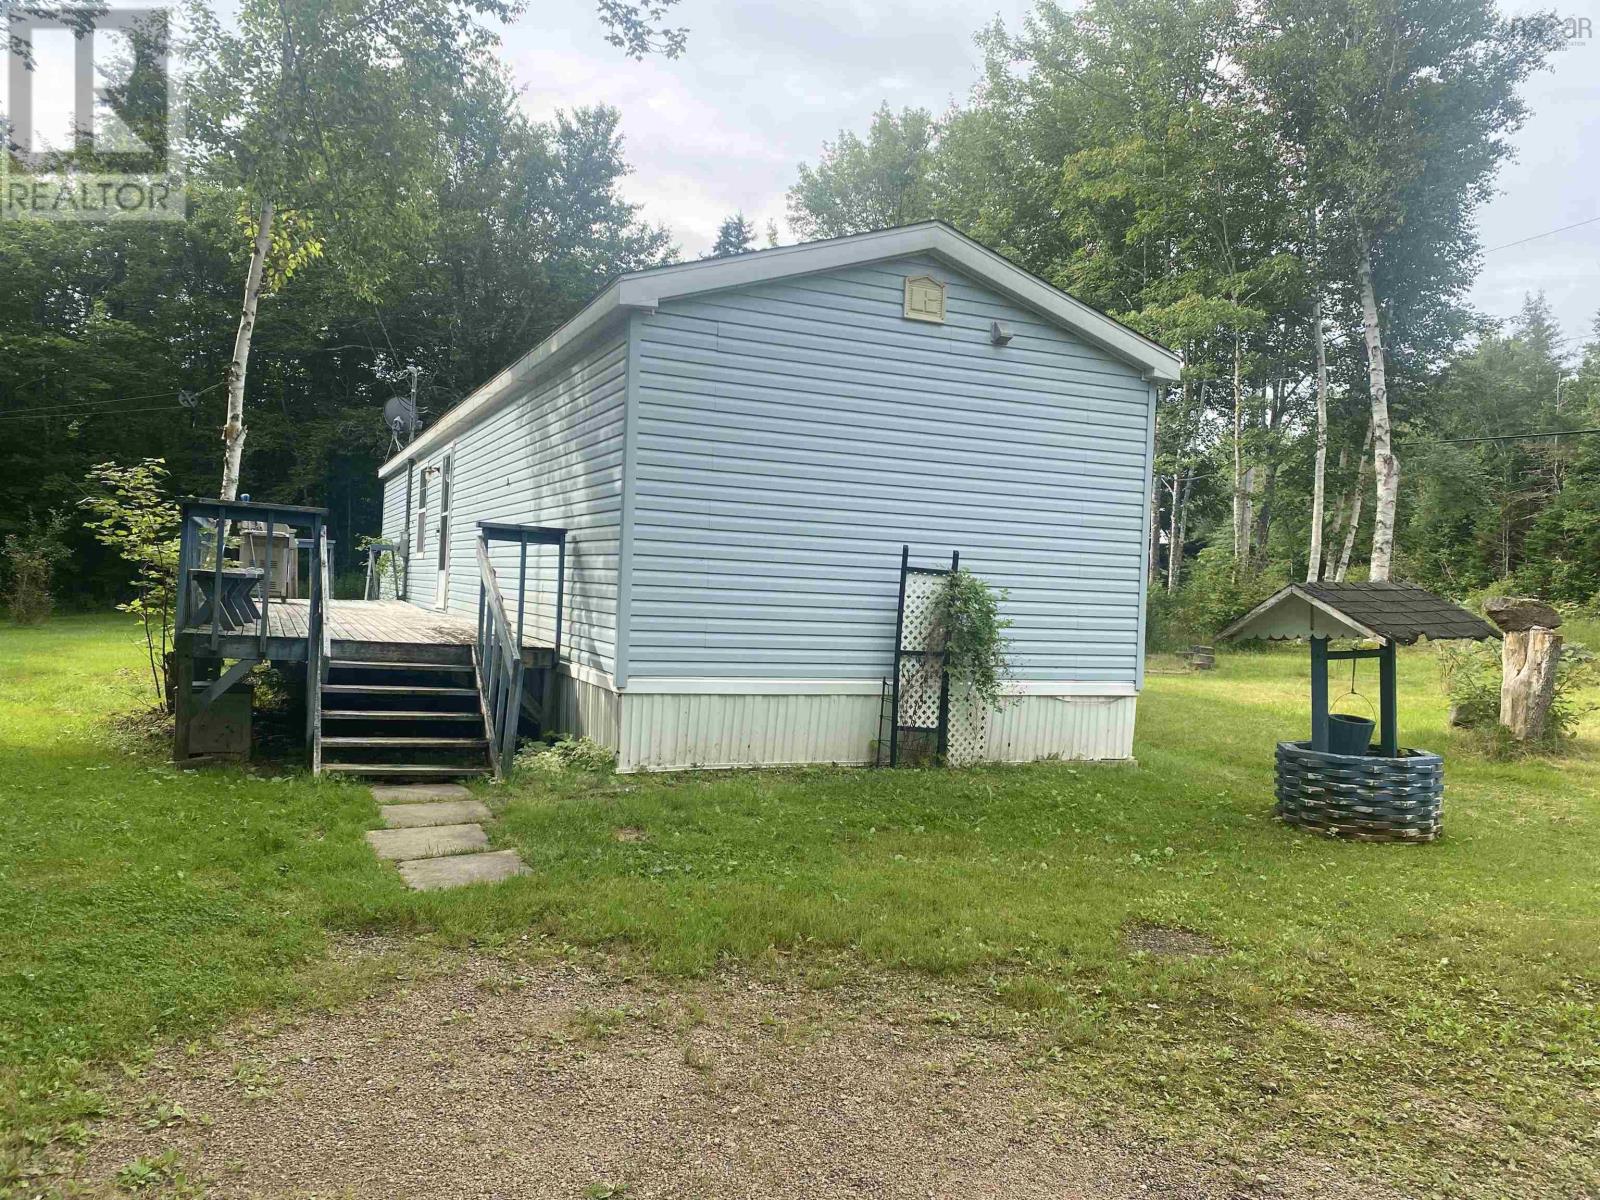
400 415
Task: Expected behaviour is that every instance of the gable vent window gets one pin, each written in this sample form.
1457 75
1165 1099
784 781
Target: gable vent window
925 299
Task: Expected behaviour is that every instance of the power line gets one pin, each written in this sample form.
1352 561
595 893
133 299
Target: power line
92 407
1501 437
1545 234
104 412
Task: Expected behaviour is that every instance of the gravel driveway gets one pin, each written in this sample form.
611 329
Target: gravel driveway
556 1080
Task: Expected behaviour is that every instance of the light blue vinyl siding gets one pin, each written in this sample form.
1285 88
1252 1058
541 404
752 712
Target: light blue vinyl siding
553 457
394 520
791 436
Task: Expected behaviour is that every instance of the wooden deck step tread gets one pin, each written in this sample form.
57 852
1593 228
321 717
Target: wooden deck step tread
430 743
413 770
342 688
377 665
381 714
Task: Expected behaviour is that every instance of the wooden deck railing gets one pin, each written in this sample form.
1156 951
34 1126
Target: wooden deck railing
234 559
376 552
319 647
500 667
499 658
221 590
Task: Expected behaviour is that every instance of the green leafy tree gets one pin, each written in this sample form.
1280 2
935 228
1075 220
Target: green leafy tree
859 185
30 561
1400 111
132 513
322 116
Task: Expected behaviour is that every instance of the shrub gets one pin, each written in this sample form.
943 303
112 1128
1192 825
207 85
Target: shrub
31 558
136 518
1470 673
1215 594
567 754
965 622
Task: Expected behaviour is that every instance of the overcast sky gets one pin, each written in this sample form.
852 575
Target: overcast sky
763 84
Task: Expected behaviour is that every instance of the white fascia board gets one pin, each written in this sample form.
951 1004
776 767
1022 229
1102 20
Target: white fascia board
670 686
509 384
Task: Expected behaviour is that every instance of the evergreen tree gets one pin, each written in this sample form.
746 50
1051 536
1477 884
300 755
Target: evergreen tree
735 235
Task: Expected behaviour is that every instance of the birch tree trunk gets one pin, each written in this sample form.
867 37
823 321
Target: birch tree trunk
1384 463
1174 576
1330 563
1154 546
1180 496
1320 472
1357 495
233 432
1241 520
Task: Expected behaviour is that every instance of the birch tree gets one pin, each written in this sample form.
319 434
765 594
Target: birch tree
1402 109
322 117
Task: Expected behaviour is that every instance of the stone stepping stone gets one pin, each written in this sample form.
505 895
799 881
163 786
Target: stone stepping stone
419 793
397 845
432 874
440 812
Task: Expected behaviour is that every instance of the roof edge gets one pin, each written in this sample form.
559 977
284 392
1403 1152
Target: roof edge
646 290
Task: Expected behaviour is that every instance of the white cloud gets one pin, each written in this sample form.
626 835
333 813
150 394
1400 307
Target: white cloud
764 84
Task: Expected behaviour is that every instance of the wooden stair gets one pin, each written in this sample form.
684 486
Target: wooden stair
399 720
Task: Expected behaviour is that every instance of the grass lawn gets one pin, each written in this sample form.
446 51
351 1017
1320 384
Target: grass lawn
1425 1015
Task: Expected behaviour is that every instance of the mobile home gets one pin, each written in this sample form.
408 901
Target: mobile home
738 448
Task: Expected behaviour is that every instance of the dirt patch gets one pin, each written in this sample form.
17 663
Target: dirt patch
1167 941
1340 1026
558 1080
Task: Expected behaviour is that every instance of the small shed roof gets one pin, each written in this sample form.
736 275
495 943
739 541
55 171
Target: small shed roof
1392 612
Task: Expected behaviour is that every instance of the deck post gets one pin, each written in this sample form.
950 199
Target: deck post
186 564
522 583
1319 694
216 580
561 588
183 705
266 591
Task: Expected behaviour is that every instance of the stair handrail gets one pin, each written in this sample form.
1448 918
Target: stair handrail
498 666
319 645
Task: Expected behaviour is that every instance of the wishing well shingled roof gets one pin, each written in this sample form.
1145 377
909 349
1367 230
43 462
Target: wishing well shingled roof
1401 612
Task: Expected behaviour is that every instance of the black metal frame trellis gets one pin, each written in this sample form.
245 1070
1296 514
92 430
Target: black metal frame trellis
896 727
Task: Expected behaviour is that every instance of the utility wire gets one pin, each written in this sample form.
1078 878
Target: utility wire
91 407
1545 234
1500 437
44 416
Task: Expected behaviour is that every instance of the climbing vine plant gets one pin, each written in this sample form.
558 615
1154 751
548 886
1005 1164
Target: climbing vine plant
966 623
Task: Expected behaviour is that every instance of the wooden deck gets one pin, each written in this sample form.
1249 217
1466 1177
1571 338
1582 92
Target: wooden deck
368 623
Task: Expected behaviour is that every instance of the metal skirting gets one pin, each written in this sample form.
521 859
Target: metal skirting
677 731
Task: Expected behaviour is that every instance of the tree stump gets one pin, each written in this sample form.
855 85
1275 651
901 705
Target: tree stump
1528 660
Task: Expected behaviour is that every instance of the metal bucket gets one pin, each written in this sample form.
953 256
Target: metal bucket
1348 735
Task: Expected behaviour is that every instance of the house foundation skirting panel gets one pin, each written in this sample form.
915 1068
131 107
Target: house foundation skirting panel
764 726
587 706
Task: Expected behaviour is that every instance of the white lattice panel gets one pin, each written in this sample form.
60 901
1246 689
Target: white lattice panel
969 728
919 692
920 593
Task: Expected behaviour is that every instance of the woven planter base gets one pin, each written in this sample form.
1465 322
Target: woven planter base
1361 796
